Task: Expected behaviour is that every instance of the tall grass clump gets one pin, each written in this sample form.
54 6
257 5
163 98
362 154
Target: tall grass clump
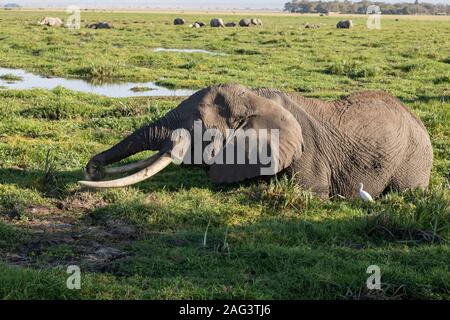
10 77
415 215
48 182
351 69
99 73
284 193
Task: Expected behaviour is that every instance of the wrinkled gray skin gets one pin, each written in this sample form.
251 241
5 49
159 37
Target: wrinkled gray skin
215 23
329 147
179 21
245 23
345 24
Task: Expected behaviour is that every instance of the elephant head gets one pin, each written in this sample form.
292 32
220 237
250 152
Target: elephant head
217 22
225 109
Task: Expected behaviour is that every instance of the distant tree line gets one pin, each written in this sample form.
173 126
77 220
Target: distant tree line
11 5
305 6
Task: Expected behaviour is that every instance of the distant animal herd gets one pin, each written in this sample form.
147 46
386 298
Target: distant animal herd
218 22
214 23
57 22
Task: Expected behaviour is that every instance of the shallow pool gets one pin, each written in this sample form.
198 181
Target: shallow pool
113 90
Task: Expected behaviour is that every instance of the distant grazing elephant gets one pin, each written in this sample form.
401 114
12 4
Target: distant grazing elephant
215 23
101 25
256 22
51 22
230 24
328 147
200 23
245 23
312 26
179 21
345 24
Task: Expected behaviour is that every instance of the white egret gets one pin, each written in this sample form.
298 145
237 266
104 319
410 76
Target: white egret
364 194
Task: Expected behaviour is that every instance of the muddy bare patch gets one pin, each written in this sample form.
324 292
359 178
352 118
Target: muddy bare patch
55 240
64 250
85 201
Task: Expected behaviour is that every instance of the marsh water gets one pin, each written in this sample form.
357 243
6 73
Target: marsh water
113 90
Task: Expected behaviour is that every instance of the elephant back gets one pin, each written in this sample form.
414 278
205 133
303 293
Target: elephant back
217 22
179 21
245 23
345 24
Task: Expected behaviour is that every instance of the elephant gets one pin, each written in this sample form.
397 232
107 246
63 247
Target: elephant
256 22
230 24
100 25
200 23
345 24
217 22
312 26
179 21
328 147
245 23
51 22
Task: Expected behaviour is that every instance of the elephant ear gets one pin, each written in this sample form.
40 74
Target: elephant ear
261 113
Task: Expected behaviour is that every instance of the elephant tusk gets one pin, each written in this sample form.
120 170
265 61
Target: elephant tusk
159 164
139 165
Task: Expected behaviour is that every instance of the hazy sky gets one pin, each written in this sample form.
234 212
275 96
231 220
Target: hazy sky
272 4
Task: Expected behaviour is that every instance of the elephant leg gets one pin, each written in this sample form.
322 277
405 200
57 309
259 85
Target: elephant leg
414 171
315 178
141 140
411 174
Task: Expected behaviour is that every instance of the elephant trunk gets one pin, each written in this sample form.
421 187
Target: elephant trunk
154 136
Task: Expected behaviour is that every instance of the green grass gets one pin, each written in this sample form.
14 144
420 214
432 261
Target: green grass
265 239
141 89
10 77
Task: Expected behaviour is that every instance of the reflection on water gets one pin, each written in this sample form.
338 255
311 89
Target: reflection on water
189 51
112 90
